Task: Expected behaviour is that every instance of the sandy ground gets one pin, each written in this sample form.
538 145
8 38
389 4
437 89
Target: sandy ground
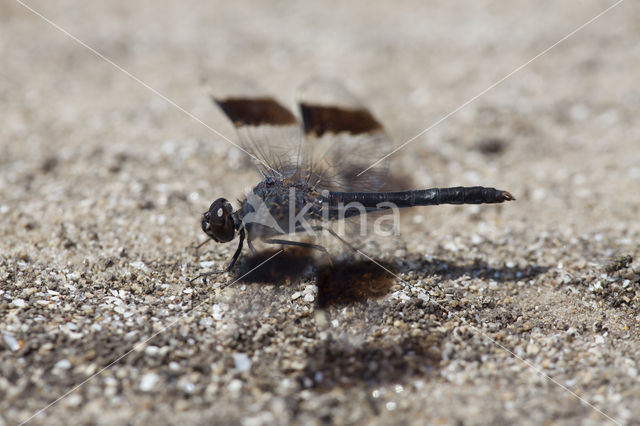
499 314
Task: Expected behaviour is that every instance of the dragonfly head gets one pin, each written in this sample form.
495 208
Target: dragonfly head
218 221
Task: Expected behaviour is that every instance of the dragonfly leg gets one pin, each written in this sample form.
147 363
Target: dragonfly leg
301 244
332 232
251 247
296 244
235 257
201 244
342 240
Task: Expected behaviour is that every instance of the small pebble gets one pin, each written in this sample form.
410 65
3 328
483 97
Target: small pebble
533 349
235 386
151 350
216 312
148 381
241 362
11 342
63 364
139 265
74 400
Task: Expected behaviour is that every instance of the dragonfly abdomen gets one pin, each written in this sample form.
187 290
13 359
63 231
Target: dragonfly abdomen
423 197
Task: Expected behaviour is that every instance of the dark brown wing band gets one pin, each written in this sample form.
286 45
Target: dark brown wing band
255 111
319 120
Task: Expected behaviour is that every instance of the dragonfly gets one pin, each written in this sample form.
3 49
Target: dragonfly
312 173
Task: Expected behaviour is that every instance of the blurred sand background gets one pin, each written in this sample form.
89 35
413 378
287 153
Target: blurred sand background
102 184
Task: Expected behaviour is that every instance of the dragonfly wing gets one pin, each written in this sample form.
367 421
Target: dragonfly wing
342 139
267 131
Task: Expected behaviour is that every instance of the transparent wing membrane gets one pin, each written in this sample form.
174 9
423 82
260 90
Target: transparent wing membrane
266 129
342 136
338 139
